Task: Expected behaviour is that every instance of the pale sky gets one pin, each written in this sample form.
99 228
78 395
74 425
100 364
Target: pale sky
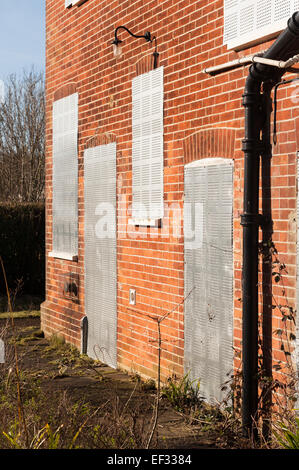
22 36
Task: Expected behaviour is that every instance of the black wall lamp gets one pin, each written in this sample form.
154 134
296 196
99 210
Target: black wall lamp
147 36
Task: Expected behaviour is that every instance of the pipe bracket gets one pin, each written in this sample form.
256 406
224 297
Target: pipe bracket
258 220
252 145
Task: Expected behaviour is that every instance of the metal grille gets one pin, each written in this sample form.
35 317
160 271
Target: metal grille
65 175
100 252
209 271
147 147
282 9
297 316
245 20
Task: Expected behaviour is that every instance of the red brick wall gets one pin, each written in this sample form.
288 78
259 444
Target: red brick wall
203 117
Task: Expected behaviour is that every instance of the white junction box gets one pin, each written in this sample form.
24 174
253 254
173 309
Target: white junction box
132 297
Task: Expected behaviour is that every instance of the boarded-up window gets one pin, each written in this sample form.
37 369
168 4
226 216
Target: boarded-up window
69 3
297 319
208 225
147 147
100 251
248 21
65 177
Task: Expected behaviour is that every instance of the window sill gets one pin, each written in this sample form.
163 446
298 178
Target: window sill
145 222
65 256
78 3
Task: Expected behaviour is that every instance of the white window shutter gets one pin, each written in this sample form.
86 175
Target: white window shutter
147 147
249 21
69 3
65 177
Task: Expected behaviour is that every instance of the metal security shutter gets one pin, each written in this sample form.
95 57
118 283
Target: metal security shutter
69 3
100 252
147 147
297 316
208 206
250 20
65 177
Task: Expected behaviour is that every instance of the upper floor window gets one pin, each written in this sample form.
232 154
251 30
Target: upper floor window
249 22
147 147
65 178
70 3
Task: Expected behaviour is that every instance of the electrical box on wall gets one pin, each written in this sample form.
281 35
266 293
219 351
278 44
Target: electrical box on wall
132 297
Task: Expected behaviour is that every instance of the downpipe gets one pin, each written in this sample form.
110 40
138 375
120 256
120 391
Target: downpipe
257 112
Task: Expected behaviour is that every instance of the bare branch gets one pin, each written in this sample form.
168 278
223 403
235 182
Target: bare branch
22 139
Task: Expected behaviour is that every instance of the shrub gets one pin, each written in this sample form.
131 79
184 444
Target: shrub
22 246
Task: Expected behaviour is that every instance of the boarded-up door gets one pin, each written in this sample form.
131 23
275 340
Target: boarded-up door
100 252
209 274
297 315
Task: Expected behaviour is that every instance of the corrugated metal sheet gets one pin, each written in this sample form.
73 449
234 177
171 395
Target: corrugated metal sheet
209 271
297 316
65 175
147 146
100 252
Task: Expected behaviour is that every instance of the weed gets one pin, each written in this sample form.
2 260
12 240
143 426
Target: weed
288 435
182 393
56 342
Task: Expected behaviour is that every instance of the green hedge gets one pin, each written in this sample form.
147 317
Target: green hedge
22 246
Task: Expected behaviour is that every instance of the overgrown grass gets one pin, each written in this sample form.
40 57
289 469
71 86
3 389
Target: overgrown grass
55 420
21 314
65 424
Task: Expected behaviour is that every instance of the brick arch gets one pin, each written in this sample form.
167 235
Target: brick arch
209 143
65 90
100 139
144 64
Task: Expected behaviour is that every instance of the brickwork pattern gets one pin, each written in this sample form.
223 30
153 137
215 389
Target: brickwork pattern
203 117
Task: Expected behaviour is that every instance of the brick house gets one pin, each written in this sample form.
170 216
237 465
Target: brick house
144 186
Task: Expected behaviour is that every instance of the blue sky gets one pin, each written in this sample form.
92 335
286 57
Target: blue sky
22 36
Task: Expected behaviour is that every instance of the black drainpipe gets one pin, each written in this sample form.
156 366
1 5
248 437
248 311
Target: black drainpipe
258 86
